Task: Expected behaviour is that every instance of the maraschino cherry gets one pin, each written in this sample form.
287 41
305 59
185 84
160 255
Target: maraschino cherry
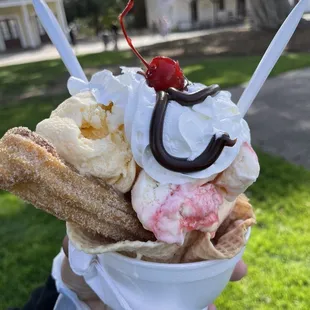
163 72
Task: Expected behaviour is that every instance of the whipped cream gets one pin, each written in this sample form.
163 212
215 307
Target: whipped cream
170 211
187 132
105 87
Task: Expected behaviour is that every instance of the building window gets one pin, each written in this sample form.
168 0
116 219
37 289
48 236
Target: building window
222 5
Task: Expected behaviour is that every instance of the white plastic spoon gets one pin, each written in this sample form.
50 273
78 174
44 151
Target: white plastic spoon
271 56
59 39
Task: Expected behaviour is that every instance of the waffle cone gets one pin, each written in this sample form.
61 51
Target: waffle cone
198 246
31 169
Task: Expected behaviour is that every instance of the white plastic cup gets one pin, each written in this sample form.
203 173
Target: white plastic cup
152 286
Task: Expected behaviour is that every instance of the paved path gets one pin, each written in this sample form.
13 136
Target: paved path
280 117
48 52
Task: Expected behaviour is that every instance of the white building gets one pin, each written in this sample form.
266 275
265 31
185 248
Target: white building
20 27
184 14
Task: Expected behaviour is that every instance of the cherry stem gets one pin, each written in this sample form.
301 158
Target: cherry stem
129 41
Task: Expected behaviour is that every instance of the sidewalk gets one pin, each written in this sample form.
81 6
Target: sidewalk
48 52
280 117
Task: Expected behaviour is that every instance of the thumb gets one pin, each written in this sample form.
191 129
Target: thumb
74 282
78 285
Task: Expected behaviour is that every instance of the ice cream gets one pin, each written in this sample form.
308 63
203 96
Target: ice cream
241 174
90 136
170 211
107 139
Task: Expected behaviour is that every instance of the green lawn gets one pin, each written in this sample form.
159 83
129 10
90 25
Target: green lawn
278 252
49 75
230 71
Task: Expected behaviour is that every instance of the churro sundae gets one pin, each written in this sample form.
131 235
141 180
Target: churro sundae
146 163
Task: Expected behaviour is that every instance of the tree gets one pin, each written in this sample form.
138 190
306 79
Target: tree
268 14
139 13
96 12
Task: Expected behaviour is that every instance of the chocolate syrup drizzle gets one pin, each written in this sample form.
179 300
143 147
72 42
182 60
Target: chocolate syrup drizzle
212 151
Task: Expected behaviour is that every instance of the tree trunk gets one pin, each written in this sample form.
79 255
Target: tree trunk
268 14
97 25
139 12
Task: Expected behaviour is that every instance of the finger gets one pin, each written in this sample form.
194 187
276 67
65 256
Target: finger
65 245
78 285
240 271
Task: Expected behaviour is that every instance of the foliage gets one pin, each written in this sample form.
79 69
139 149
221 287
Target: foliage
95 12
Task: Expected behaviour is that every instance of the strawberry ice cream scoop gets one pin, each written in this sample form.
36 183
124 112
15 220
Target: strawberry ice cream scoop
241 174
170 211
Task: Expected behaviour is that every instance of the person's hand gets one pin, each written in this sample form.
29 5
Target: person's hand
77 283
239 272
86 294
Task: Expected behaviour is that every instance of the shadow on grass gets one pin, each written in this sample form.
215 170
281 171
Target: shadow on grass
45 75
48 76
107 58
237 42
232 71
28 77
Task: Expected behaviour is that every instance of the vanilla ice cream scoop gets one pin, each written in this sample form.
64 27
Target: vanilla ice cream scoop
170 211
241 174
90 137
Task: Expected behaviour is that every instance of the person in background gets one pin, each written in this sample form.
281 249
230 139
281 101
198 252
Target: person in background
164 26
105 36
114 31
72 33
